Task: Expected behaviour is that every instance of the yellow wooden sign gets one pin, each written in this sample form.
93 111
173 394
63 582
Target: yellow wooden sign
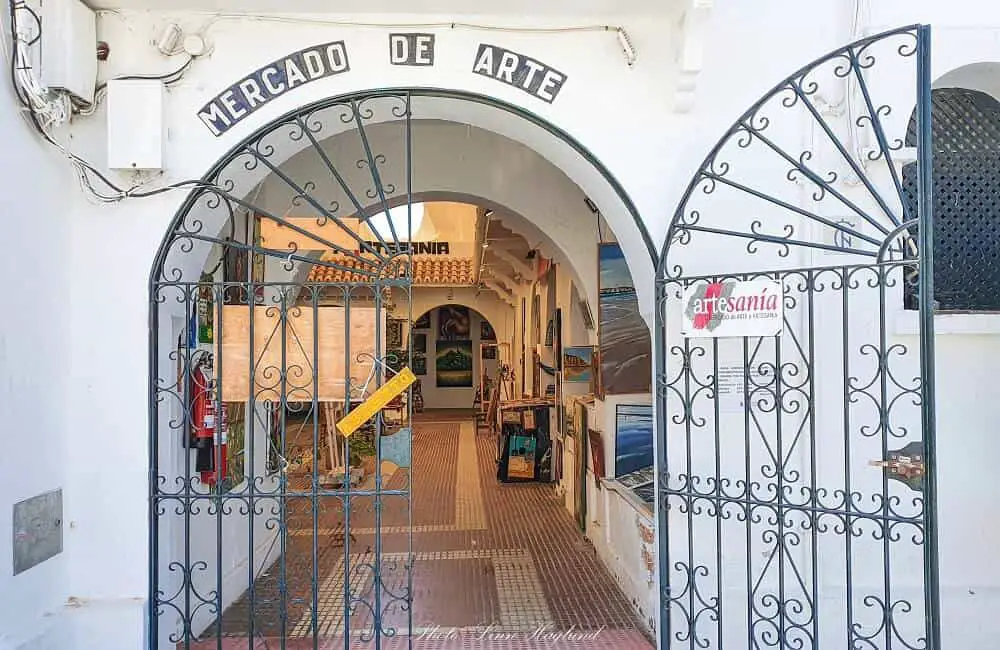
376 402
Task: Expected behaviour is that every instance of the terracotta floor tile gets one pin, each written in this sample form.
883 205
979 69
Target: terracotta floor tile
495 565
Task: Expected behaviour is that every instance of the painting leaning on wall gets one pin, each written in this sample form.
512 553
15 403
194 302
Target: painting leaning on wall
625 346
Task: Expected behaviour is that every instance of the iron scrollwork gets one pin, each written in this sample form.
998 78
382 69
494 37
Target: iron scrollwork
282 553
774 530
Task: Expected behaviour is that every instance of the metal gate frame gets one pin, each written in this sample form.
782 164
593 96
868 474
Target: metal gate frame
189 235
688 597
262 501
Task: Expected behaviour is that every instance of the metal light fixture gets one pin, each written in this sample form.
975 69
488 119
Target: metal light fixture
627 48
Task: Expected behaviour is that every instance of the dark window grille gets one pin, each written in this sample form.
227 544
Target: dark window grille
965 132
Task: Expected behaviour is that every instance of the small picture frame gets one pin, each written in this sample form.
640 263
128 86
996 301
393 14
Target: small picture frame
393 333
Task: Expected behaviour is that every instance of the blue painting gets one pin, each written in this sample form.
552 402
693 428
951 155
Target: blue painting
396 448
633 438
578 364
625 346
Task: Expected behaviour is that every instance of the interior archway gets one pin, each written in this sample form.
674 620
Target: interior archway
427 338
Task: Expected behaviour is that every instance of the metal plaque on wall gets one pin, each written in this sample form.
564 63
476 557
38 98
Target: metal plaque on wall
37 530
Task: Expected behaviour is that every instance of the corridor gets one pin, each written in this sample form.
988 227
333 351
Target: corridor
495 565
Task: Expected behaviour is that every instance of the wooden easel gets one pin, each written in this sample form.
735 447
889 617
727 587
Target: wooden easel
503 391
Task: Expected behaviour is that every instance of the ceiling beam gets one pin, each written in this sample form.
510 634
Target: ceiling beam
503 277
507 243
500 291
520 266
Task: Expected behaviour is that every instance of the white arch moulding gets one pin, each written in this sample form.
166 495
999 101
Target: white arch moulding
547 140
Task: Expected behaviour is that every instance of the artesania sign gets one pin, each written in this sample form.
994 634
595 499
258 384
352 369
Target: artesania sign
733 308
245 96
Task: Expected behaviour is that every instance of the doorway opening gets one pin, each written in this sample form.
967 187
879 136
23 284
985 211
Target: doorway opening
346 319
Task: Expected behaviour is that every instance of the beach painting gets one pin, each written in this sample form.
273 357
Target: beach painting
578 365
633 438
625 347
453 365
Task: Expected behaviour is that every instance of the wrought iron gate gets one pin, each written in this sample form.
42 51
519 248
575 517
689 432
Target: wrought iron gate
279 303
796 450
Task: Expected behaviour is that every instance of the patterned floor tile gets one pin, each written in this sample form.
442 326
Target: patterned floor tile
493 565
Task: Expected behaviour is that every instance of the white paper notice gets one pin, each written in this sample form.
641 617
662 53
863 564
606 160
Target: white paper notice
731 392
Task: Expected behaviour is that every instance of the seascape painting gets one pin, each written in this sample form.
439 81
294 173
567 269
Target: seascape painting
625 350
633 438
578 365
453 365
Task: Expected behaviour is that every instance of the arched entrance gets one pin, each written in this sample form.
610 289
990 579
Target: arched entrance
281 442
797 496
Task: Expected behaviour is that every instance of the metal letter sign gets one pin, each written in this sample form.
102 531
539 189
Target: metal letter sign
411 49
733 308
519 71
389 390
241 99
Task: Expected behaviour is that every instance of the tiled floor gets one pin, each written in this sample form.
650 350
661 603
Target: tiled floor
494 565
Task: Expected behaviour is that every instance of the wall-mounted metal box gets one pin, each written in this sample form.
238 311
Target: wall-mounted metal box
37 530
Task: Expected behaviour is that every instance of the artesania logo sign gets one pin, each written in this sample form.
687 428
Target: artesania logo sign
733 308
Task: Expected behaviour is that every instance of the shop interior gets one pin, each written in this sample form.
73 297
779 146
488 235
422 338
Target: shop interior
524 440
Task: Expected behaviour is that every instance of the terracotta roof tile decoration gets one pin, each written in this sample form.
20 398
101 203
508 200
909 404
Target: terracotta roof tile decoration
427 270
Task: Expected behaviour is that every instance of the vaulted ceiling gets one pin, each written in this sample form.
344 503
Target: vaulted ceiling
483 250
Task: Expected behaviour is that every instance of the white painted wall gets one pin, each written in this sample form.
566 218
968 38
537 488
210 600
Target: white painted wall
89 322
453 161
35 423
613 520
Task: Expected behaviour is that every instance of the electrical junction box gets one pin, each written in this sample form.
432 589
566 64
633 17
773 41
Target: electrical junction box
136 126
68 48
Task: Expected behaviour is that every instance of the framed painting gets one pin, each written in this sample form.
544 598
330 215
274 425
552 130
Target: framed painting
454 323
625 347
578 364
453 364
423 322
633 438
394 333
486 332
596 454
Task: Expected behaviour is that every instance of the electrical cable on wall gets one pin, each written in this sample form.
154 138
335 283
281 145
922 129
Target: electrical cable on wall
46 109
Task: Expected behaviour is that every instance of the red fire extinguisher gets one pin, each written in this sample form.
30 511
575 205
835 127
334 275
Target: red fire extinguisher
208 431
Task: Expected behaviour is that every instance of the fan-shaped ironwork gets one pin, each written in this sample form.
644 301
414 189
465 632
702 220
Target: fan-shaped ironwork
796 484
268 532
848 170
